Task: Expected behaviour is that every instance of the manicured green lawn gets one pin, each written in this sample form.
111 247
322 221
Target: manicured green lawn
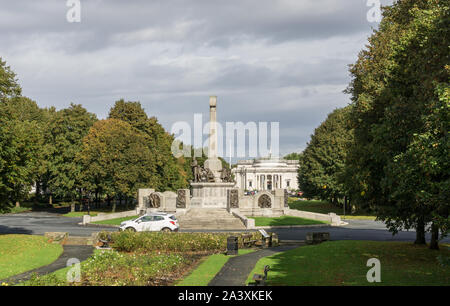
207 269
284 220
323 207
95 212
338 263
116 221
21 253
77 214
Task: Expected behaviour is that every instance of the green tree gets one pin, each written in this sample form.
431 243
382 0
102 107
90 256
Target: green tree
169 170
400 116
20 148
65 131
116 159
293 156
322 162
9 86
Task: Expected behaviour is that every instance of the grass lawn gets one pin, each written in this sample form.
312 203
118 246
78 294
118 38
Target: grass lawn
284 220
323 207
338 263
95 212
17 210
21 253
55 278
207 269
116 221
77 214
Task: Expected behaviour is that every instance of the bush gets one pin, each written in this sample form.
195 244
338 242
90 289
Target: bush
173 242
129 269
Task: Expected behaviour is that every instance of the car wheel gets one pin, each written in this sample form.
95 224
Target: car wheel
130 229
166 230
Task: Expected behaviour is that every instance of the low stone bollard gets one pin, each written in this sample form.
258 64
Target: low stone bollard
317 237
232 245
274 241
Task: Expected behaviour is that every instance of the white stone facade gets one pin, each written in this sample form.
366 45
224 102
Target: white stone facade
266 174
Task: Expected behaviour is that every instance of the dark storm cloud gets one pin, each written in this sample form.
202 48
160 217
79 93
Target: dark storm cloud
267 60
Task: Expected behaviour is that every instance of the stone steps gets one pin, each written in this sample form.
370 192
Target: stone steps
73 240
218 219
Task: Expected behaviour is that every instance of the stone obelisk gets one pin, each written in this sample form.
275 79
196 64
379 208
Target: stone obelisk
213 162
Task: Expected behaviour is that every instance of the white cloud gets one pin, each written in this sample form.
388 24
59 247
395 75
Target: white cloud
280 61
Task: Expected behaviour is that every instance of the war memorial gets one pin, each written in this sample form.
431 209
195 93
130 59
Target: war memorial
215 201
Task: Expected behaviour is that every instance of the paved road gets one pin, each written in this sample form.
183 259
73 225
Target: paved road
37 223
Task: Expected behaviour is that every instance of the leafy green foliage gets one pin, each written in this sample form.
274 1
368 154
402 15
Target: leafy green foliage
398 164
171 242
293 156
65 131
20 148
8 83
168 170
323 161
116 159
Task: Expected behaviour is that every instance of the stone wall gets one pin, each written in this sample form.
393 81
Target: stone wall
331 218
101 217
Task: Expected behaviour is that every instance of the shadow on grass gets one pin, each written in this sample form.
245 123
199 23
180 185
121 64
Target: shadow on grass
344 263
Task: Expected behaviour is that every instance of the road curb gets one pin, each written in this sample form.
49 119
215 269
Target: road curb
292 226
99 225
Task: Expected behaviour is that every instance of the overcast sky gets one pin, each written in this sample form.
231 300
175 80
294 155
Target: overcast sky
284 60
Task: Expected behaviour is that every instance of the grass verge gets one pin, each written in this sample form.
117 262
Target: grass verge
116 221
284 221
207 269
323 207
338 263
21 253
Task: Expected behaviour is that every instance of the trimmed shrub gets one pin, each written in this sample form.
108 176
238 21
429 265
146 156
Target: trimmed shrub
173 242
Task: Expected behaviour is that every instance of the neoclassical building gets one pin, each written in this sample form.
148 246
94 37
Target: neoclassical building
266 174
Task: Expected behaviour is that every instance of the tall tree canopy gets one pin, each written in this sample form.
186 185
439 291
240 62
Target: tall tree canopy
168 170
116 159
322 162
65 131
9 86
20 148
398 164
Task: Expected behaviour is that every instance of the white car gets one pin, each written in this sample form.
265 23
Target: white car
152 222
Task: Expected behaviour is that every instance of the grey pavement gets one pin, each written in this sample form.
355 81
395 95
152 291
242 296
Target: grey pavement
37 223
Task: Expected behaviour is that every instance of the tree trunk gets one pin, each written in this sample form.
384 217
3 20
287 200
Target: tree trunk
434 245
17 204
114 204
420 232
50 200
37 196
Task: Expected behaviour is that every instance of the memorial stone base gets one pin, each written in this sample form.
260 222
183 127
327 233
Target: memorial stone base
210 195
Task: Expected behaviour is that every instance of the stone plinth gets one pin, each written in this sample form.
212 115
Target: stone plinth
210 195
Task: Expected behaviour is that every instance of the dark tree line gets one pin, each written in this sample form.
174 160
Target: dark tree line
388 151
69 154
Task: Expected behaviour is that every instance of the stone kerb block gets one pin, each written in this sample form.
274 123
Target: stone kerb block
317 237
